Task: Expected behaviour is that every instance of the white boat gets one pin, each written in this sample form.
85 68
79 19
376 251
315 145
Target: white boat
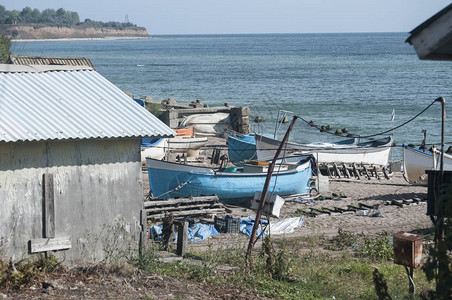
208 124
187 144
371 152
157 148
416 162
153 148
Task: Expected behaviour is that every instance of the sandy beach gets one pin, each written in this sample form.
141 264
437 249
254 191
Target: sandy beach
344 192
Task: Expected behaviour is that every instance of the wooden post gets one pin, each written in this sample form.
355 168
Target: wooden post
182 237
48 213
143 232
439 228
271 167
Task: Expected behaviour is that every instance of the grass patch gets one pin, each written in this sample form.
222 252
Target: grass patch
281 270
26 272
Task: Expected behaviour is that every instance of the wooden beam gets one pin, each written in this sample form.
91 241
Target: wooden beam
182 207
182 200
50 244
182 237
189 213
48 213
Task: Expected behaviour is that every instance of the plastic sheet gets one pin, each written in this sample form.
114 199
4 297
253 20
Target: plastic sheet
199 232
287 225
196 233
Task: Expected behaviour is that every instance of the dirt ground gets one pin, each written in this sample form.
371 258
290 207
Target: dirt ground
140 285
393 218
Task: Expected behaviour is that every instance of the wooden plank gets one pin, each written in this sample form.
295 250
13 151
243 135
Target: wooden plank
320 211
395 202
182 208
48 207
189 213
143 233
365 205
50 244
181 200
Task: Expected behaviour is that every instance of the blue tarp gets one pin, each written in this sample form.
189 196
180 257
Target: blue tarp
196 233
246 226
199 232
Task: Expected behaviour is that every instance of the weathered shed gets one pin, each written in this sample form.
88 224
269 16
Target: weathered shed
70 171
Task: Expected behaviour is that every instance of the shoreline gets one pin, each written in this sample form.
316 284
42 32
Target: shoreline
113 38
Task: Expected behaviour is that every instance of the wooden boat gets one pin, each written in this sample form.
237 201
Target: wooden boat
371 152
208 124
187 144
168 180
416 162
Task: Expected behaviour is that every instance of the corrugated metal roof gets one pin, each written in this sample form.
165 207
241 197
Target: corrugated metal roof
428 22
55 104
36 60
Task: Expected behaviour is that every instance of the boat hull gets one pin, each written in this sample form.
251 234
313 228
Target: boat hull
169 180
241 150
156 150
208 124
416 162
363 153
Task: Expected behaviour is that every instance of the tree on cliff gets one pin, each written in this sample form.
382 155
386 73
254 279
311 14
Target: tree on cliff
49 16
5 49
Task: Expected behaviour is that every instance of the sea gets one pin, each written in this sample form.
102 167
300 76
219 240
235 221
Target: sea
367 83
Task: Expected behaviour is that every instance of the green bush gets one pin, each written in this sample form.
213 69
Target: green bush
377 248
154 108
5 49
26 272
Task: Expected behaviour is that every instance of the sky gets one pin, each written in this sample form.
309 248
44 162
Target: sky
251 16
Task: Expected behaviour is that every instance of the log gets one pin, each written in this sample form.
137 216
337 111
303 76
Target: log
189 213
182 208
181 200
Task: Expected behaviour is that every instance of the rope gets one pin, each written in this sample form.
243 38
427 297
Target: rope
380 133
175 189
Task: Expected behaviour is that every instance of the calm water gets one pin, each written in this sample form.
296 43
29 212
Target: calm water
345 80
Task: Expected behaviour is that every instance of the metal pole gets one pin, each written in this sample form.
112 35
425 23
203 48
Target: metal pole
265 190
276 125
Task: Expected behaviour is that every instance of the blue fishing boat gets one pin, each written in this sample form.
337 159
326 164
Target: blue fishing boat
242 149
168 180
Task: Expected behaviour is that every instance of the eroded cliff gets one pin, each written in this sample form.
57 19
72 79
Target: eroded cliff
39 31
